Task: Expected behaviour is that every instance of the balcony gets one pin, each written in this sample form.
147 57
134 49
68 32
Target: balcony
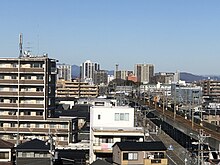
6 105
32 82
32 70
32 94
24 70
14 117
8 70
32 130
103 147
8 93
26 105
8 81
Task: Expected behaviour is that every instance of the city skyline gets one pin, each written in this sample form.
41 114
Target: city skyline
172 35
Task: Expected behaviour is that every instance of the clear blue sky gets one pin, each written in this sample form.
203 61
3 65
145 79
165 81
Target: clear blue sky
173 35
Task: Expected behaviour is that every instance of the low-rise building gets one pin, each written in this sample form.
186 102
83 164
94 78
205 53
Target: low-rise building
34 151
143 153
212 116
6 152
109 124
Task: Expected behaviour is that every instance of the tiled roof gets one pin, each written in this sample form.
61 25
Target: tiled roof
5 144
34 145
141 146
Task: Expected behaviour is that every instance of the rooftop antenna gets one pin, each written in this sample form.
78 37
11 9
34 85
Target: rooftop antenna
20 45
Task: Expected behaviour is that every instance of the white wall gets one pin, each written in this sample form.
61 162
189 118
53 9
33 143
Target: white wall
107 117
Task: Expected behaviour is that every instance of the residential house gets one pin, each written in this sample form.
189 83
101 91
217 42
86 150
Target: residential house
35 152
6 152
139 153
110 123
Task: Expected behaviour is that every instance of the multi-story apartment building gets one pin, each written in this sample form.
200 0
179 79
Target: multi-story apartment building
76 89
27 100
100 77
64 72
122 74
211 91
109 124
87 70
144 72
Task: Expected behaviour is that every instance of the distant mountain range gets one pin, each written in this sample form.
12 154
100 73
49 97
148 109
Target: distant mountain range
188 77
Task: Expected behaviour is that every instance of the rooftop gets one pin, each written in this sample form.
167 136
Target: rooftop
34 145
5 144
141 146
117 129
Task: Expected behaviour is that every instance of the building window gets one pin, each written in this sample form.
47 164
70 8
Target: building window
121 116
99 117
106 140
39 113
2 77
36 65
13 77
13 89
64 126
11 112
133 156
4 155
125 156
12 124
27 113
130 156
40 77
52 125
39 89
37 125
12 100
14 65
27 77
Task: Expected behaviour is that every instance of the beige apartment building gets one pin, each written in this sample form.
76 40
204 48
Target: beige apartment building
27 101
76 89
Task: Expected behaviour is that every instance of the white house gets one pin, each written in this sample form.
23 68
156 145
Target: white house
110 124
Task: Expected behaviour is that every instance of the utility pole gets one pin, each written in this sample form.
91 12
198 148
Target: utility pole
163 101
201 141
52 152
174 108
202 138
